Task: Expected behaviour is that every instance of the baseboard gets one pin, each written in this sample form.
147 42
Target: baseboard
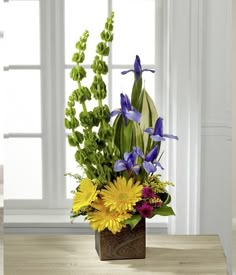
62 228
60 223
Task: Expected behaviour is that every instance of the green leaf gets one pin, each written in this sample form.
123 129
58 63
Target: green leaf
67 124
78 137
72 141
128 135
74 122
137 136
163 211
117 133
133 221
166 198
137 94
148 119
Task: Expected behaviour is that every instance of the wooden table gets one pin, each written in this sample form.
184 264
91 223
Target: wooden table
76 255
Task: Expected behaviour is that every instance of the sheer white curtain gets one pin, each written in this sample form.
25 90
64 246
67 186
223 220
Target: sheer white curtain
184 21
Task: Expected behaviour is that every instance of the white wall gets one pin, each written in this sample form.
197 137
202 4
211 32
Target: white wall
234 109
234 135
216 170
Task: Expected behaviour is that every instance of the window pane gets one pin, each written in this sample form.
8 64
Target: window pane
23 103
22 32
71 167
23 169
134 31
124 83
1 103
83 15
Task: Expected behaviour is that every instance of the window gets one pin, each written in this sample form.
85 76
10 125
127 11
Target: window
40 47
1 77
22 92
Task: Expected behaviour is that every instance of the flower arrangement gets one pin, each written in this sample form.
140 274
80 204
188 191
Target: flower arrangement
120 160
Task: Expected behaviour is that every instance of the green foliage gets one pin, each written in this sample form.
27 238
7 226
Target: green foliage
141 100
133 221
164 210
157 185
127 136
91 132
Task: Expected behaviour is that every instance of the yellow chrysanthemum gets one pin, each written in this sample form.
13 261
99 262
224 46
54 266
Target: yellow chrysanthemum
103 218
85 196
122 195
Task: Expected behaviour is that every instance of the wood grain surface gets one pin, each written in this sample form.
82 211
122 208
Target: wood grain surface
127 244
76 255
1 241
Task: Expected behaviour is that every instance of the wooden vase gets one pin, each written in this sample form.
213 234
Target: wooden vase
127 244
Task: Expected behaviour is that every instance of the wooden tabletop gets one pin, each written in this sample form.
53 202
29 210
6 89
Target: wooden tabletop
75 255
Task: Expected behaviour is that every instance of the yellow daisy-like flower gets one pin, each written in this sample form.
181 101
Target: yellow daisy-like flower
85 196
103 218
122 195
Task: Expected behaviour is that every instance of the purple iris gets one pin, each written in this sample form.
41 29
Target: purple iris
137 69
127 164
149 164
127 111
157 133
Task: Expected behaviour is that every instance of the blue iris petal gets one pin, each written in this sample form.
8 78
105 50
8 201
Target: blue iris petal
149 131
149 167
157 163
136 168
152 155
158 129
171 136
127 164
137 69
126 110
133 115
115 112
149 163
156 133
125 72
148 70
138 152
120 165
157 138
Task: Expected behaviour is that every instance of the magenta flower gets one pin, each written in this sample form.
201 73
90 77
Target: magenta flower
158 204
145 210
138 205
147 192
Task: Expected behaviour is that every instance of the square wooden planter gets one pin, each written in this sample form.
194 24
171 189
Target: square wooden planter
128 244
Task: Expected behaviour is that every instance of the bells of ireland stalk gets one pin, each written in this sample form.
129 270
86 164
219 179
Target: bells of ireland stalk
143 103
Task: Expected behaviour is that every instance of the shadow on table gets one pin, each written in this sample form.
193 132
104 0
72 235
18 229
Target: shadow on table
168 260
